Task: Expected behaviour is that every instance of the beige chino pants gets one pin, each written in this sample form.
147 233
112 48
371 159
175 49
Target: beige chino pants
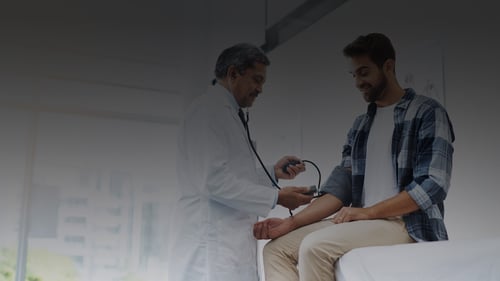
310 252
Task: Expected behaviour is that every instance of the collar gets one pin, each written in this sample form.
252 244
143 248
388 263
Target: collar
406 99
224 94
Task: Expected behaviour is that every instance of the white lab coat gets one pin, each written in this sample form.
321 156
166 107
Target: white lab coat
222 193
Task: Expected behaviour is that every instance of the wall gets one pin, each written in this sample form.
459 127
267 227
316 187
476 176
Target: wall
310 99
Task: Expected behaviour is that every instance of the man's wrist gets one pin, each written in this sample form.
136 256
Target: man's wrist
372 212
279 197
293 222
275 173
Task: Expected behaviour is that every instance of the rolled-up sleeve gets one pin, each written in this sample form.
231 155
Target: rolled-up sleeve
339 184
432 172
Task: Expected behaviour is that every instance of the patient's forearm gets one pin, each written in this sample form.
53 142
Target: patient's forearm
319 209
398 205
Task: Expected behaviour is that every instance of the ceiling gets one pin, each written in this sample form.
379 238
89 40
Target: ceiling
288 18
155 49
111 18
159 37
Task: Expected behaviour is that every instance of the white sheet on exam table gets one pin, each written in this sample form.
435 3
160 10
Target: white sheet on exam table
428 261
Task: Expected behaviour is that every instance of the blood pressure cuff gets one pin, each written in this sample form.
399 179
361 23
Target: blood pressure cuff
339 184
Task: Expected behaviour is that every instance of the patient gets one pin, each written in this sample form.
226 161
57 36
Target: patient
389 187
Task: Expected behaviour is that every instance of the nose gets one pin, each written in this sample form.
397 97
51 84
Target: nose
259 88
358 82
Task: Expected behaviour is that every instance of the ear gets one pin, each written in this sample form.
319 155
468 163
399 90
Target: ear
389 66
232 72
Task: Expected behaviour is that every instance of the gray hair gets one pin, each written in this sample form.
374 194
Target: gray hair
242 56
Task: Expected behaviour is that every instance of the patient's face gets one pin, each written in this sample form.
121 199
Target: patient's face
369 78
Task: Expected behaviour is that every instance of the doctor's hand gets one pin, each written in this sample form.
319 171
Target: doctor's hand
273 228
291 170
292 197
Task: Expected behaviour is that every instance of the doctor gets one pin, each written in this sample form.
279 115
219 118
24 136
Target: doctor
222 193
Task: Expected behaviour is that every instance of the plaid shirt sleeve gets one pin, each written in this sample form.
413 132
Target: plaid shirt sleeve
425 165
433 158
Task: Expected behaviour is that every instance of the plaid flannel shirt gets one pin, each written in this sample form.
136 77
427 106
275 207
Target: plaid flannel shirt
421 155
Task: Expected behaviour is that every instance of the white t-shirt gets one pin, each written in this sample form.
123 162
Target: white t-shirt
380 177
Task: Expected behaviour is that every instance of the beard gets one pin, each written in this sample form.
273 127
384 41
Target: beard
375 92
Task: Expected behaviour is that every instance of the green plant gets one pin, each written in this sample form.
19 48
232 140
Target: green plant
42 265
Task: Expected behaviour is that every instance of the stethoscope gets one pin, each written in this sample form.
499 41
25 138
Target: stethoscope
313 189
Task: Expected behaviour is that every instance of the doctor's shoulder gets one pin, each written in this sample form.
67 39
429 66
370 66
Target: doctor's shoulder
204 111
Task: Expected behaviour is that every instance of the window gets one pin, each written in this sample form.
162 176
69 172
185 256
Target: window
15 126
75 220
99 200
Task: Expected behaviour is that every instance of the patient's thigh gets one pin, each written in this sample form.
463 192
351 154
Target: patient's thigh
343 237
290 242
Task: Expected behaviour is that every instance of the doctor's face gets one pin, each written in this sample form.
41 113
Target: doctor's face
247 86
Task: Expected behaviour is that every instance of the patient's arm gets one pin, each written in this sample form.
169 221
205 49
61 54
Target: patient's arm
319 209
400 204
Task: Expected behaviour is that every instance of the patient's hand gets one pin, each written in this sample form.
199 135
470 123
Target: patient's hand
347 214
272 228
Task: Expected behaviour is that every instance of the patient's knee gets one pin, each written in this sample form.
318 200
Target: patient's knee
273 248
311 247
